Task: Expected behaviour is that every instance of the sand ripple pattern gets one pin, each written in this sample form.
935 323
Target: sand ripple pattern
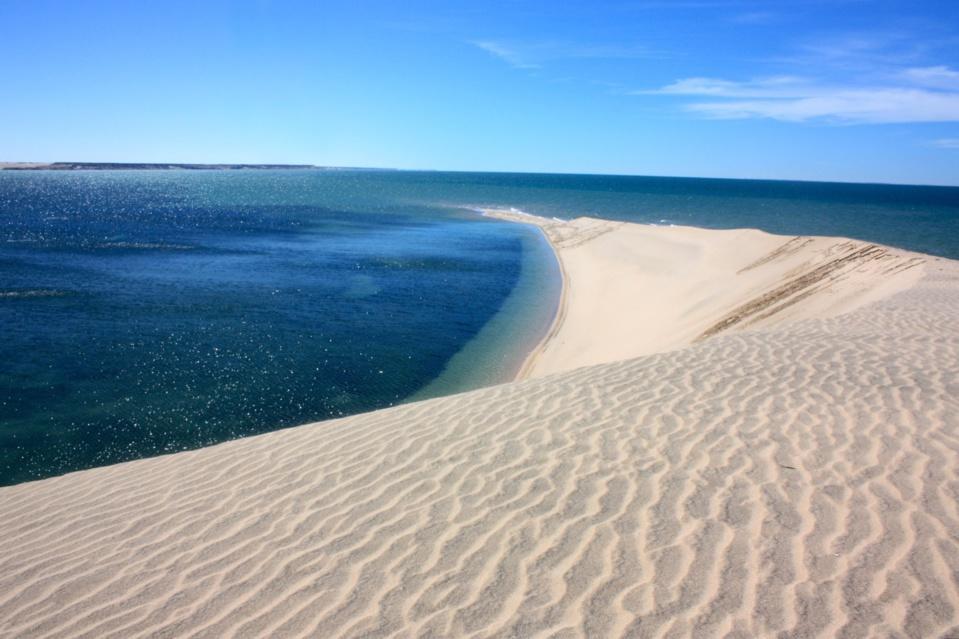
793 482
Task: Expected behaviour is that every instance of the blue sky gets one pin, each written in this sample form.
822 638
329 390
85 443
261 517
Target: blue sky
840 90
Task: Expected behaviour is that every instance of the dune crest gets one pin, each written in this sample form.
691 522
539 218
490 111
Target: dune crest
638 289
797 480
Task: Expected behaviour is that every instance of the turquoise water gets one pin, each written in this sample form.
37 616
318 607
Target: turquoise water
147 312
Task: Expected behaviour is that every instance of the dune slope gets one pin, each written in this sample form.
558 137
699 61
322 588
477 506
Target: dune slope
795 481
637 289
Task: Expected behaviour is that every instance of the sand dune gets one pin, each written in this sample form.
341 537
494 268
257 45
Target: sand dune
637 289
793 480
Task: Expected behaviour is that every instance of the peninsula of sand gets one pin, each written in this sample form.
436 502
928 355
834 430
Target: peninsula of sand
725 434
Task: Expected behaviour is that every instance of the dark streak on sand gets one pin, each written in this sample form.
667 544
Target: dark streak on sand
852 254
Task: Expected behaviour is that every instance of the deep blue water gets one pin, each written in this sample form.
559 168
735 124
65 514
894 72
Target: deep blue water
144 312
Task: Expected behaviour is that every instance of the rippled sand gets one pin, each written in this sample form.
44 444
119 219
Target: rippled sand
795 480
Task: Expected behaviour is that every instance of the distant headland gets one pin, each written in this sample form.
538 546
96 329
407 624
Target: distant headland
107 166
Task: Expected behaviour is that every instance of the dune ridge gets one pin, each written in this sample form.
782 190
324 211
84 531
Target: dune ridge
636 289
793 479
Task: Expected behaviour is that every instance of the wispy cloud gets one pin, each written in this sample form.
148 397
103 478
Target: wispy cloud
772 87
939 77
755 18
505 53
862 106
946 143
860 52
916 98
533 55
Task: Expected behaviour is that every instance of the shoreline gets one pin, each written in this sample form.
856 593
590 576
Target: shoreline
559 314
499 350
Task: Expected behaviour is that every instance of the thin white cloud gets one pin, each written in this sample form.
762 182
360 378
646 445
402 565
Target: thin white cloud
773 87
505 53
755 18
532 55
862 52
917 98
864 106
946 143
940 77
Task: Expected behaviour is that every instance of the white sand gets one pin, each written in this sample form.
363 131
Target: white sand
637 289
799 479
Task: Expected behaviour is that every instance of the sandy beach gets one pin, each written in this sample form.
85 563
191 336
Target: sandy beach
726 433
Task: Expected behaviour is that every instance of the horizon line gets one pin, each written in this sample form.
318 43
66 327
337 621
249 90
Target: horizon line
85 165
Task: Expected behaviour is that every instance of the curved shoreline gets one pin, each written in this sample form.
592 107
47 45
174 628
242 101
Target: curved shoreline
500 349
559 314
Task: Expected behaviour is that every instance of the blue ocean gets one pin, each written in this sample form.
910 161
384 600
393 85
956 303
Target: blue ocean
147 312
